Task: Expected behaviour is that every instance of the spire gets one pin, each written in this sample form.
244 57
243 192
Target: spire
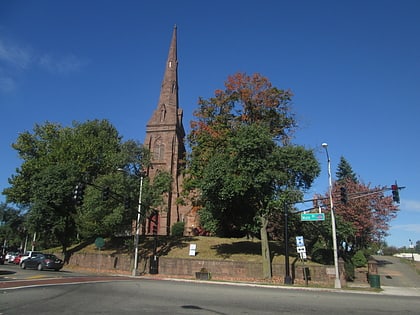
169 90
167 111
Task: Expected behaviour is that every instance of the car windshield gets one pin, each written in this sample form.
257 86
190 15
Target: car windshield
50 256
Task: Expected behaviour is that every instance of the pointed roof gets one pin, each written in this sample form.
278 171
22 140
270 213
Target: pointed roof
169 89
167 111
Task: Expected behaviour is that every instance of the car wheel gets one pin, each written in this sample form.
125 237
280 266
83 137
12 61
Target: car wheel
22 265
40 267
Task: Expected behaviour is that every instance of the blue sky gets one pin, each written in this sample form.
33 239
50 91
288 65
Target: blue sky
354 67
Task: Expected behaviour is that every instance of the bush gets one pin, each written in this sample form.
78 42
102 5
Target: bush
178 229
322 255
359 259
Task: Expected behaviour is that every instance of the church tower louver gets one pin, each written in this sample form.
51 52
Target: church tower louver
165 139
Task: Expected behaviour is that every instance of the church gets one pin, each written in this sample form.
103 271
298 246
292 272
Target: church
165 137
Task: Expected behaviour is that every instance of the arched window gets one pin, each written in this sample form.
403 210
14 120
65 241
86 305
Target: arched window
162 112
158 150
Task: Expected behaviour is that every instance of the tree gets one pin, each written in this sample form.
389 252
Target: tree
12 230
363 220
345 171
246 100
55 159
242 160
114 216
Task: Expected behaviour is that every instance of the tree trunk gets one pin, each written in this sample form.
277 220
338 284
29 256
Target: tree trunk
265 249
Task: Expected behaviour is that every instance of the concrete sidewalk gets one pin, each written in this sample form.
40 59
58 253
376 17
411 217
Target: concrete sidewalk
400 291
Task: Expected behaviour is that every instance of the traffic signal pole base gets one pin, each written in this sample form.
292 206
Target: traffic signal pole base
288 280
337 284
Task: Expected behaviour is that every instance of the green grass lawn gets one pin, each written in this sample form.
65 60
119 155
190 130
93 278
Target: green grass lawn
233 249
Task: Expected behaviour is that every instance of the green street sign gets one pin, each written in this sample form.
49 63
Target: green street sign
312 216
99 242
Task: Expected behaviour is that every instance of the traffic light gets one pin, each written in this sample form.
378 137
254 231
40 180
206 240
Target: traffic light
78 194
395 193
343 194
105 193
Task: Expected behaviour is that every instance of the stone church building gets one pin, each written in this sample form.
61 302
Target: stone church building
165 136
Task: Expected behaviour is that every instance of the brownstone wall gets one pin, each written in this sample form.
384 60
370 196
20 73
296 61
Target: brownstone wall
187 267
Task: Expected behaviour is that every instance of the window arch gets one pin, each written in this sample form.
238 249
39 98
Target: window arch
158 150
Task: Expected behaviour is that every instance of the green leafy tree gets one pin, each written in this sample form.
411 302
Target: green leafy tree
55 159
114 216
242 160
12 230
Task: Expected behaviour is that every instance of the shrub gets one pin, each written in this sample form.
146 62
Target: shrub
359 259
178 229
322 255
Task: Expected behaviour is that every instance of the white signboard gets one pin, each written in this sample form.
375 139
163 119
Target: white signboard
301 249
192 249
299 241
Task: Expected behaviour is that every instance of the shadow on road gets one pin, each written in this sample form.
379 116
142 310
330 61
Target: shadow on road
5 272
383 262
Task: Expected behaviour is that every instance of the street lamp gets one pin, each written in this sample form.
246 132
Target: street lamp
412 249
137 236
138 221
337 282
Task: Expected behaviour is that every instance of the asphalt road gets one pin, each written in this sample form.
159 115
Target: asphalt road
175 297
65 292
14 272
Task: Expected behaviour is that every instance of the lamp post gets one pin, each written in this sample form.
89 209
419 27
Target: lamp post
137 236
412 249
337 282
287 278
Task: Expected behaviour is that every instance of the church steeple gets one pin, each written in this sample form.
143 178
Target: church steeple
167 111
165 140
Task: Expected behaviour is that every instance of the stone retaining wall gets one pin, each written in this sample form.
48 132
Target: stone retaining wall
187 267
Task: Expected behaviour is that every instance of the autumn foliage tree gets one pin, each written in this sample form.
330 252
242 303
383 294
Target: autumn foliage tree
246 100
242 159
368 209
362 219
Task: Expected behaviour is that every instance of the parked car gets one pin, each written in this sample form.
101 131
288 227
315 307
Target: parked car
29 254
10 256
18 259
43 261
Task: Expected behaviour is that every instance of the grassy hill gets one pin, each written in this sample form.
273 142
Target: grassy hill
234 249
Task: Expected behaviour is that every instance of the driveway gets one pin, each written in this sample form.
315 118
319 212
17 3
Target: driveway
395 273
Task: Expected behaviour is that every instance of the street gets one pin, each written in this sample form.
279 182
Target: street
14 272
139 295
66 292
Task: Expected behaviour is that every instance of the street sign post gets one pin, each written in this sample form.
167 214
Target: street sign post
312 216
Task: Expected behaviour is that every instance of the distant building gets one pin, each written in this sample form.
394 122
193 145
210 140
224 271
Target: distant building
165 137
410 256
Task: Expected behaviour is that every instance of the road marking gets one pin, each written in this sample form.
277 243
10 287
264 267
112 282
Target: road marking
37 277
